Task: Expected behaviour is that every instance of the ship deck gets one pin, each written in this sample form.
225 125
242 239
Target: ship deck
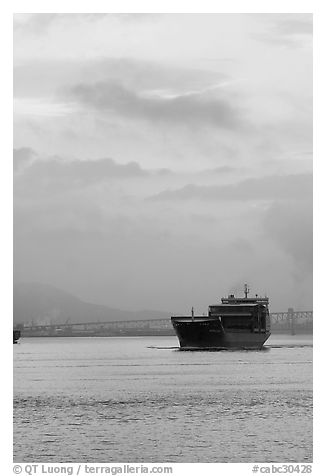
193 319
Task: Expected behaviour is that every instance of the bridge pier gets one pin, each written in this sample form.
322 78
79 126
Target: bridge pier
290 319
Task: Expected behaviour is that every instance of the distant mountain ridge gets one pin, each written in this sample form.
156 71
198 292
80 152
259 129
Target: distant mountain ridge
46 304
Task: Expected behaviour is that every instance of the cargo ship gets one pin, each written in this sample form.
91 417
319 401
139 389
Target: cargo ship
16 335
235 323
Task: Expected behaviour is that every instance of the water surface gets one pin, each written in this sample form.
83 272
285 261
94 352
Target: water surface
139 399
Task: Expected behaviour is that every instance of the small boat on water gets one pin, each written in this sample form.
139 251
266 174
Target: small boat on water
17 334
235 323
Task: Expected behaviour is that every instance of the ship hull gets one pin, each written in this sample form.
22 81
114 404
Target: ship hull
201 333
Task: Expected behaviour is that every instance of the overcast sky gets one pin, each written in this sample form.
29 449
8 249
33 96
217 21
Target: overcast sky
162 160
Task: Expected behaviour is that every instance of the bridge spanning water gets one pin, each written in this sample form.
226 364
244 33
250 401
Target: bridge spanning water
289 321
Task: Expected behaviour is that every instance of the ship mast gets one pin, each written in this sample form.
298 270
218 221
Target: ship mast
246 290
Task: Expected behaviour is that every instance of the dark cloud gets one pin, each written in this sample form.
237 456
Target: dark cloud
265 188
193 108
56 173
44 77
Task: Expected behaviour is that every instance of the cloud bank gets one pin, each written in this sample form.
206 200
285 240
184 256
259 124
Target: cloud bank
264 188
200 109
161 159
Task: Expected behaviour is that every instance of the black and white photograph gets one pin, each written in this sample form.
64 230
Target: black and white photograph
162 241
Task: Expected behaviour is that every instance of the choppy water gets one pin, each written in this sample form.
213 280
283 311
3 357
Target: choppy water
137 400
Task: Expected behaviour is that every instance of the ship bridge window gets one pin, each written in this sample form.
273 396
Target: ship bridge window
246 317
251 322
230 322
